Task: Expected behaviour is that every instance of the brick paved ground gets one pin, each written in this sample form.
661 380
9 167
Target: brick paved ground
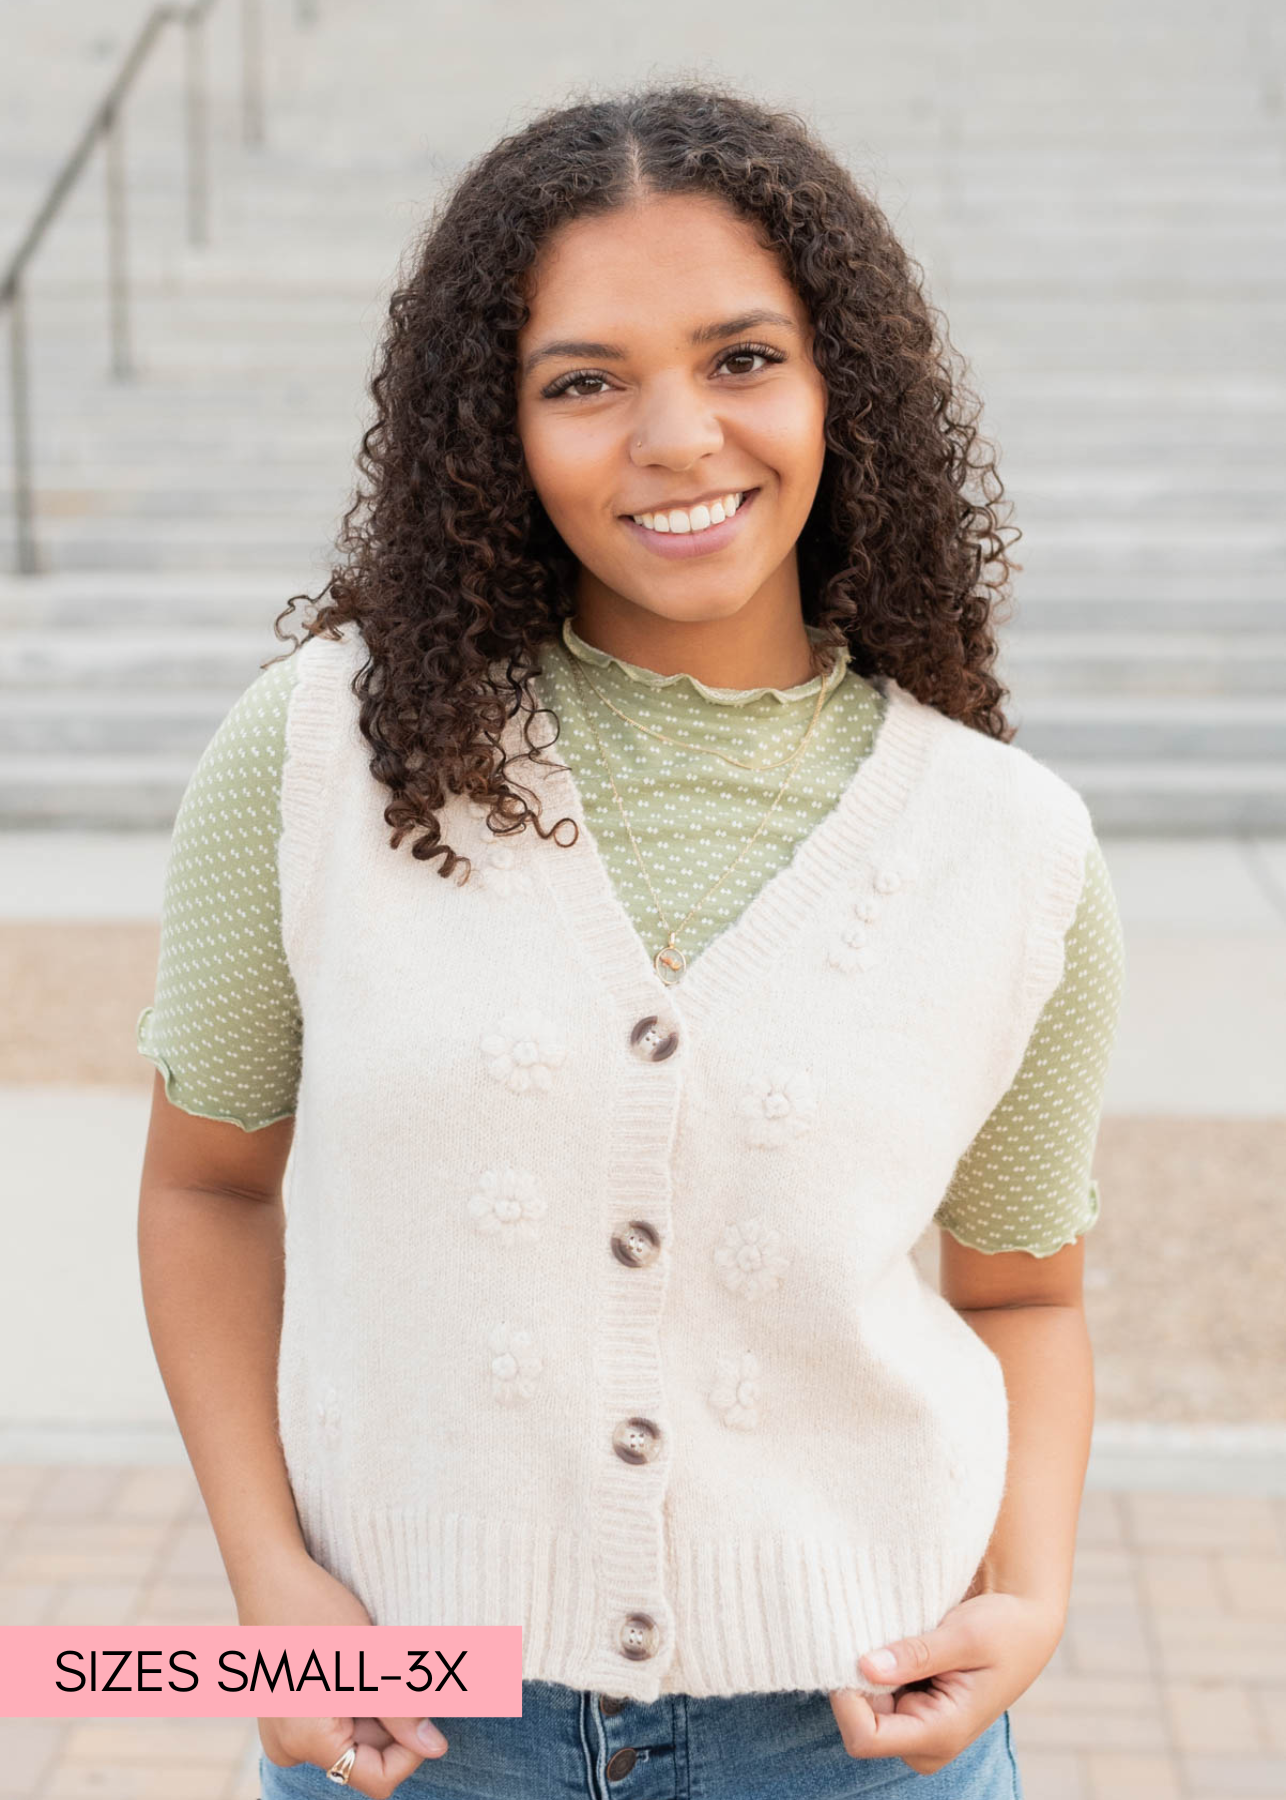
1169 1684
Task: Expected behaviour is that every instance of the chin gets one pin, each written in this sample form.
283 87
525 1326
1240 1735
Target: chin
689 608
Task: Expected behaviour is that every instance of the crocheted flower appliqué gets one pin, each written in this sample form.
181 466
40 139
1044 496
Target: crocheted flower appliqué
507 1205
523 1050
752 1258
735 1394
778 1106
498 869
515 1366
328 1416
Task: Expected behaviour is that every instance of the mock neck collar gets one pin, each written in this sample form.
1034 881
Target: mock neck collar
720 696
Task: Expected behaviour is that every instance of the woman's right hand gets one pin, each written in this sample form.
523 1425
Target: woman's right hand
298 1591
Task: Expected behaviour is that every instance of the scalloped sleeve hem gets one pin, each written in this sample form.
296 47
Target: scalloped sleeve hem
1041 1250
171 1084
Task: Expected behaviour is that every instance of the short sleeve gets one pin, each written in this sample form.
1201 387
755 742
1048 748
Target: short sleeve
1026 1181
224 1027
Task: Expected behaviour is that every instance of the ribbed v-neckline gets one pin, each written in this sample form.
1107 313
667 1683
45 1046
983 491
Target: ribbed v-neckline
581 887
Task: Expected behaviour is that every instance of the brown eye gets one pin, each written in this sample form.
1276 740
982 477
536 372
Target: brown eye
565 383
740 352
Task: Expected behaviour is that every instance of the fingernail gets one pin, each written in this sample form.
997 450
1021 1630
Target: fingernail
882 1660
430 1736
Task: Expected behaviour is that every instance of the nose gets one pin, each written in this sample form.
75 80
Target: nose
675 430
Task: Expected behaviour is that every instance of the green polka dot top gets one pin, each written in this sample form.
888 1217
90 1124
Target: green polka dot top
225 1031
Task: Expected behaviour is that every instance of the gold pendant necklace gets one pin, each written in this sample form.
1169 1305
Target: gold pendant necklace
670 961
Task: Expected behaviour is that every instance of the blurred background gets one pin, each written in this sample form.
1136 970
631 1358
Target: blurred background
201 213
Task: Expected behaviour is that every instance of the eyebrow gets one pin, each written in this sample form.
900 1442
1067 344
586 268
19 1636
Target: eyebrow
704 334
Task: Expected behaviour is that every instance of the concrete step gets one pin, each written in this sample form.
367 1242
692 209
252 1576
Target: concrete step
178 716
1037 664
1096 607
54 668
103 602
1167 799
1182 730
171 726
85 540
143 793
1105 600
99 792
167 647
296 554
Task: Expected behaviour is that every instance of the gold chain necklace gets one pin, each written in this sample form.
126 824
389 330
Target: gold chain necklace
669 961
701 749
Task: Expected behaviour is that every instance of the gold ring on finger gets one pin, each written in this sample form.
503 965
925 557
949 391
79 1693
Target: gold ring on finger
342 1768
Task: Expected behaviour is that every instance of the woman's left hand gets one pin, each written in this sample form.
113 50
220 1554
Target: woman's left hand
957 1680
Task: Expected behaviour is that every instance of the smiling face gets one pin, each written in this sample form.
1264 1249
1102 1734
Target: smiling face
666 365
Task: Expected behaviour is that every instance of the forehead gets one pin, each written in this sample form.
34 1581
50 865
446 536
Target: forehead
670 257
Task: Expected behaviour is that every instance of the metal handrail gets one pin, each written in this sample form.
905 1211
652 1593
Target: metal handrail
105 123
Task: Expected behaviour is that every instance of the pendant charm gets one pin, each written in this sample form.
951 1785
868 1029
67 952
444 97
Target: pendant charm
670 962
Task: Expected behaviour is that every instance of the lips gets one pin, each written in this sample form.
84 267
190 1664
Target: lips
687 544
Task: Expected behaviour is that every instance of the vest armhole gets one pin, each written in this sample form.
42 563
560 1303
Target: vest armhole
316 726
1070 832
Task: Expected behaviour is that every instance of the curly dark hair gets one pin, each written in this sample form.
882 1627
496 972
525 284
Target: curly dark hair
453 571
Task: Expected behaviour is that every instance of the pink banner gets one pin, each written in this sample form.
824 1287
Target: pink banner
247 1671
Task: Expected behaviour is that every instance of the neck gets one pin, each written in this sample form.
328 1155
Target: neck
761 645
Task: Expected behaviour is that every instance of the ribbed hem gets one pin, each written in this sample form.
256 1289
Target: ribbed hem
751 1615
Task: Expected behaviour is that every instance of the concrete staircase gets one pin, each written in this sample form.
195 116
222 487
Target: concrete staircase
1097 201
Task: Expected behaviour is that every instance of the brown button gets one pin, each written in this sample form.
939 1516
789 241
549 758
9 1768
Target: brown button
636 1244
636 1440
621 1764
650 1040
639 1636
611 1704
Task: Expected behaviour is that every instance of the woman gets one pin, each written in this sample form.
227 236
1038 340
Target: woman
620 1088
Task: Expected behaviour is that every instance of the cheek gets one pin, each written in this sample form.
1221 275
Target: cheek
790 435
571 470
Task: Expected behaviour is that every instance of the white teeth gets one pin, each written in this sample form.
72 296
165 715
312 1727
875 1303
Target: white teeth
700 518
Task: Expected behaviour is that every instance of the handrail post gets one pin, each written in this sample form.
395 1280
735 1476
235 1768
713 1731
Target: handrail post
197 126
20 411
251 72
117 274
107 123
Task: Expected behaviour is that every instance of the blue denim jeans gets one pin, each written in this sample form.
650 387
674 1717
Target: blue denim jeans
783 1746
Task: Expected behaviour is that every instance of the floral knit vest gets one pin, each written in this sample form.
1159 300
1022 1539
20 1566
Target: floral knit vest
600 1314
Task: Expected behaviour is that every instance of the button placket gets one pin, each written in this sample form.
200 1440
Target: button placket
638 1181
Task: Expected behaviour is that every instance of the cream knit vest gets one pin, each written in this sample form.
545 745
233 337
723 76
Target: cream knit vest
600 1317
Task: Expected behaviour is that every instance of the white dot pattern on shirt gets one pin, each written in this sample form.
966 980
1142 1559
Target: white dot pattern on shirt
1024 1183
225 1024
